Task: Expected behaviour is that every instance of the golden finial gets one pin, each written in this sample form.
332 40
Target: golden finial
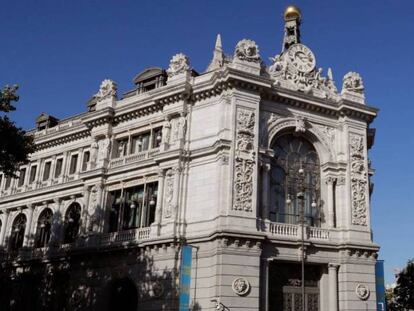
292 12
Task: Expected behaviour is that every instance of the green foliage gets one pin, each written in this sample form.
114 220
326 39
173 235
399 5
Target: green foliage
15 145
402 297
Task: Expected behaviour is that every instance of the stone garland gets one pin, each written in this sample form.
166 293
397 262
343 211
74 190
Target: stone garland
244 161
359 182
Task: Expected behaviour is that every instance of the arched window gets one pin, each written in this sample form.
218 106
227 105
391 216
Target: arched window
17 234
72 223
44 228
295 181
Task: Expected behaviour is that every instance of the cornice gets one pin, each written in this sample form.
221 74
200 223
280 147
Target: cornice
52 142
99 117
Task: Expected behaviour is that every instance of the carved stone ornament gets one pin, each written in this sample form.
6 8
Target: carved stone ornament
352 82
295 69
92 208
107 89
169 194
359 182
244 161
241 286
104 146
157 289
247 50
300 126
179 64
362 291
166 131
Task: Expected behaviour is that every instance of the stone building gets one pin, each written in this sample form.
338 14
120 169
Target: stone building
259 168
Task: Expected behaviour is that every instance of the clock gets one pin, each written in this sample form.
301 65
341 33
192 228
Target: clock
301 57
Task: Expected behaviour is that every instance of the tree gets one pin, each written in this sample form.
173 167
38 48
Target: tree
403 294
15 145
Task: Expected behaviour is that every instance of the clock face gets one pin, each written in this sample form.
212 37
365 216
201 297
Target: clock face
301 57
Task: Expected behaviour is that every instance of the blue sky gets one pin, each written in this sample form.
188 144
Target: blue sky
59 52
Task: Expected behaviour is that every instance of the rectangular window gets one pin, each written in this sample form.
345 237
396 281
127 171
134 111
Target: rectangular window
73 164
133 207
140 142
86 157
8 182
32 176
156 137
22 176
46 172
122 148
58 168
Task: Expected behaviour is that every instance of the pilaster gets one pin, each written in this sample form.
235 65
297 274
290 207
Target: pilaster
27 232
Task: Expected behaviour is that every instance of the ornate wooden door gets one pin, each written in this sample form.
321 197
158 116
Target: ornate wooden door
292 298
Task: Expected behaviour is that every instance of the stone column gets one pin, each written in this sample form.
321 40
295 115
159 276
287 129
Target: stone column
99 209
160 197
4 227
166 134
56 223
177 192
65 166
85 214
330 201
28 229
265 190
94 154
333 287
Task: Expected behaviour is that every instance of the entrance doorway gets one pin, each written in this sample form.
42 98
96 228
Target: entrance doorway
123 295
285 287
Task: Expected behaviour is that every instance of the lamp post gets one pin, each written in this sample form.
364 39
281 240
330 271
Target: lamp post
301 197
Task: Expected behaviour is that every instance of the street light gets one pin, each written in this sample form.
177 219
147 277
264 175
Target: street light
301 198
300 190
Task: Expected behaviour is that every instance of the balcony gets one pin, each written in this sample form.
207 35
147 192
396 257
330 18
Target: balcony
127 236
136 157
294 232
54 250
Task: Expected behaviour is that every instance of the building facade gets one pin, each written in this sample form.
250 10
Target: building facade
259 168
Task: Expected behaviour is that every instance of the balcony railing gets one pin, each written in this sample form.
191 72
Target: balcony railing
294 231
132 235
118 238
133 157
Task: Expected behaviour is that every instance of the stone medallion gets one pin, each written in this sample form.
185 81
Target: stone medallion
241 286
362 291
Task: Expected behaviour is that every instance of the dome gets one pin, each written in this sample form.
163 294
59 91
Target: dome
292 12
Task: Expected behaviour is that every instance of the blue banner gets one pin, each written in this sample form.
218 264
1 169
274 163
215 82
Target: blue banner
380 285
185 278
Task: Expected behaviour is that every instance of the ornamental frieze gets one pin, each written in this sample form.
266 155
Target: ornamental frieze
244 160
359 181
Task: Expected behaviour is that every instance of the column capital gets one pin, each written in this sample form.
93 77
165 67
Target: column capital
30 206
177 169
333 266
57 200
161 172
329 180
341 181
